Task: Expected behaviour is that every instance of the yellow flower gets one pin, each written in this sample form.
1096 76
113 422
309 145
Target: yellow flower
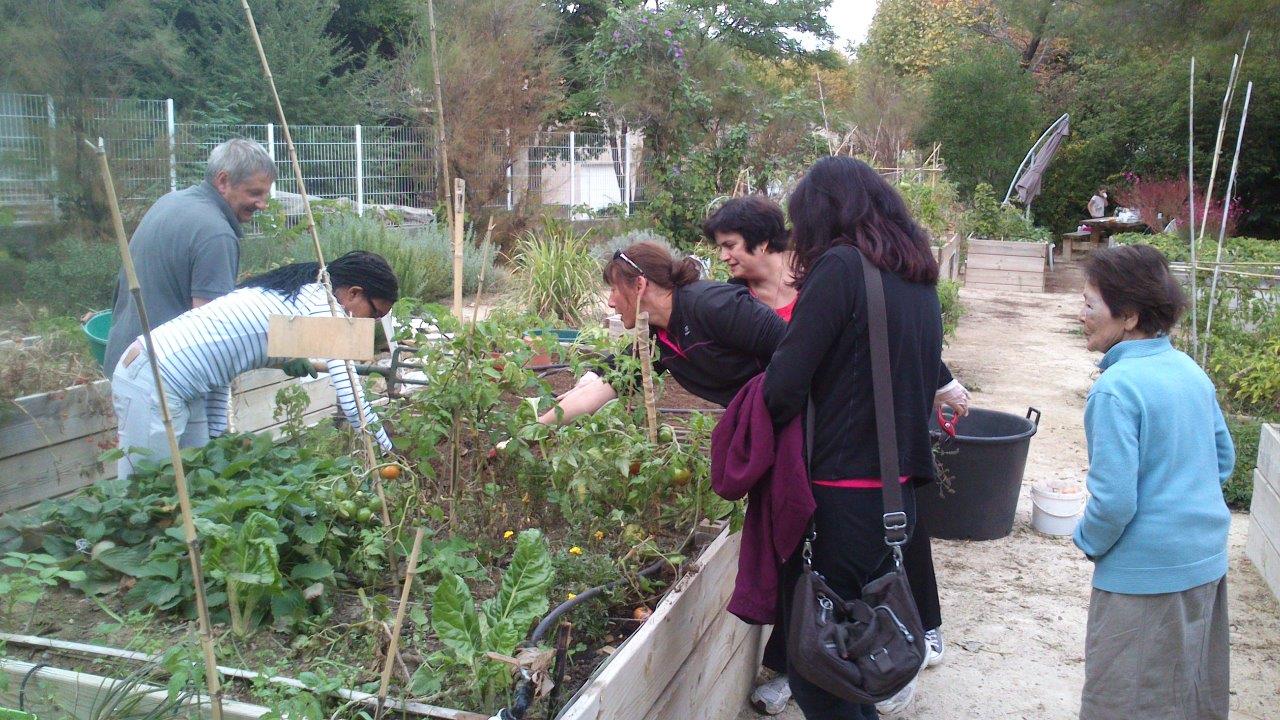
571 596
508 534
599 534
575 550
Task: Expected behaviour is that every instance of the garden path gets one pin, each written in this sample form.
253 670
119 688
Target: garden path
1014 609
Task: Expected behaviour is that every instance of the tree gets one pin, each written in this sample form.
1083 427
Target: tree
984 112
501 80
320 79
912 37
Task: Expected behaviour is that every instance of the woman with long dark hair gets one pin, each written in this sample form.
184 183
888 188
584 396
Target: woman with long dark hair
202 350
843 214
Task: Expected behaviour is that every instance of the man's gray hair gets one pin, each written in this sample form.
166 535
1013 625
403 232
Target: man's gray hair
241 159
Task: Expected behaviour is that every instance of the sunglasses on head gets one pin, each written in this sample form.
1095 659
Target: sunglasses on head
619 255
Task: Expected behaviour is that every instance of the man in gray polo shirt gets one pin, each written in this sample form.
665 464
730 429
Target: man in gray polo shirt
186 249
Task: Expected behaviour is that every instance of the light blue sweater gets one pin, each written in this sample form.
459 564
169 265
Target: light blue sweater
1159 452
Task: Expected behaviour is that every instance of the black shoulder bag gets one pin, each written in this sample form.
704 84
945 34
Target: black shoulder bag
867 649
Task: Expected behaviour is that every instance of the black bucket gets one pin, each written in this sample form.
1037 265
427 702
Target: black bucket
985 463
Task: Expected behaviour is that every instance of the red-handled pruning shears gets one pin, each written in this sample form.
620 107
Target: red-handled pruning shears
948 424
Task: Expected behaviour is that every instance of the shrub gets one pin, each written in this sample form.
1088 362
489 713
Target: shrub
78 275
932 204
952 310
989 219
560 277
605 250
421 256
1245 434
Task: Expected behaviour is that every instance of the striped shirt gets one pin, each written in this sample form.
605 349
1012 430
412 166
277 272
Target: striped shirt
202 350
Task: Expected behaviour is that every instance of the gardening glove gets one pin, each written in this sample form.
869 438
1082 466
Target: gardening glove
298 367
953 395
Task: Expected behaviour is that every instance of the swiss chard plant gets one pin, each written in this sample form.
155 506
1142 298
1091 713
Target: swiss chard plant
471 634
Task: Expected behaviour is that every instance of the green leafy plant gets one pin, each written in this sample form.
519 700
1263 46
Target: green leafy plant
559 277
30 576
993 221
952 310
500 623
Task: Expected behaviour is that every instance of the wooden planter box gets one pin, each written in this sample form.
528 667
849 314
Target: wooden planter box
50 443
1263 544
948 257
691 659
1005 265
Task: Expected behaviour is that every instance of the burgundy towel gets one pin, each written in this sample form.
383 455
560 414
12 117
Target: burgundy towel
748 459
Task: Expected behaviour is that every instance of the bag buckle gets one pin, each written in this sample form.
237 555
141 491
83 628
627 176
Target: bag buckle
895 528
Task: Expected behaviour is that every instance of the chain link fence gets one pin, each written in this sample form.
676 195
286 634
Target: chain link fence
367 165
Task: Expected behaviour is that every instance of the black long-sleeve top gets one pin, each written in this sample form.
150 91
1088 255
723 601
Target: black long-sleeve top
826 355
722 337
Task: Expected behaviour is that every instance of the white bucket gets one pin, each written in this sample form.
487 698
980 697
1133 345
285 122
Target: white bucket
1056 507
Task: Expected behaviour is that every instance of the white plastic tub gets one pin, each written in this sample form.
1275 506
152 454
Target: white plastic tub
1056 507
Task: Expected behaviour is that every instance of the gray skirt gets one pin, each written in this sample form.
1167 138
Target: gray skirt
1157 657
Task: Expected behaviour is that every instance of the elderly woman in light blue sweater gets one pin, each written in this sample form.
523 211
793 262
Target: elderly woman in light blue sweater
1156 523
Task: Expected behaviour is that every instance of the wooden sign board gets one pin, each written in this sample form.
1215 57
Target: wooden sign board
331 338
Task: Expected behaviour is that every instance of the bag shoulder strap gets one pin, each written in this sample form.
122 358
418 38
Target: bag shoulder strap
895 517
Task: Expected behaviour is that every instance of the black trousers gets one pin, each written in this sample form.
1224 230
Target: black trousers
917 558
848 551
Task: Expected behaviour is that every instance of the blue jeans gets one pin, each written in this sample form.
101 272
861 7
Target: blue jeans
139 423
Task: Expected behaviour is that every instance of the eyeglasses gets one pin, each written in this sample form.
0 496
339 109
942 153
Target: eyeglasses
619 255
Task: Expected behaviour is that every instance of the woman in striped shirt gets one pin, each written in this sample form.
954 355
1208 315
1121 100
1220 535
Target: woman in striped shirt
201 351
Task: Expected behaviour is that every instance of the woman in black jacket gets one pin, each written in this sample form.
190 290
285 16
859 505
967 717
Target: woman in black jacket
840 208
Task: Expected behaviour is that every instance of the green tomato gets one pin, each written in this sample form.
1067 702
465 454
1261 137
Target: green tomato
375 504
666 434
346 508
364 515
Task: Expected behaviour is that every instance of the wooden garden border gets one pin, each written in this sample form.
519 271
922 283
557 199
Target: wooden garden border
50 442
948 257
690 659
1263 544
72 693
1006 265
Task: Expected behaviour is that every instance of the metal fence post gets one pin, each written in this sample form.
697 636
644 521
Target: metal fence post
626 173
171 125
359 173
53 157
573 173
271 152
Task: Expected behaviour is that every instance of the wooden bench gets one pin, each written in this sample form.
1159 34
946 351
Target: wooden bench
1092 240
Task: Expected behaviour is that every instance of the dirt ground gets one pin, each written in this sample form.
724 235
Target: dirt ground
1014 609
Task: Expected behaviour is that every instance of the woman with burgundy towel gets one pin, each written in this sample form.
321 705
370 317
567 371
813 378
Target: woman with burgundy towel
840 208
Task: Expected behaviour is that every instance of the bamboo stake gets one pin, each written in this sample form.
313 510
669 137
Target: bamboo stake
323 275
442 138
1217 145
394 646
459 217
484 264
646 375
1222 228
1191 207
175 453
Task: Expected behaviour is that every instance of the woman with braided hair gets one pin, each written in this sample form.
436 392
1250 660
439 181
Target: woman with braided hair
202 350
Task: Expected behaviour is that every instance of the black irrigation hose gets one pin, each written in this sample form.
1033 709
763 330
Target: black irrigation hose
525 687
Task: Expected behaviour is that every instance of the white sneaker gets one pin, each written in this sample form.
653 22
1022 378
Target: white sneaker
770 698
900 702
936 650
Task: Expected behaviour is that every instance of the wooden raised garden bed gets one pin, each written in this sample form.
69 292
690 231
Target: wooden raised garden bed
1006 265
50 442
691 659
948 257
1263 545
